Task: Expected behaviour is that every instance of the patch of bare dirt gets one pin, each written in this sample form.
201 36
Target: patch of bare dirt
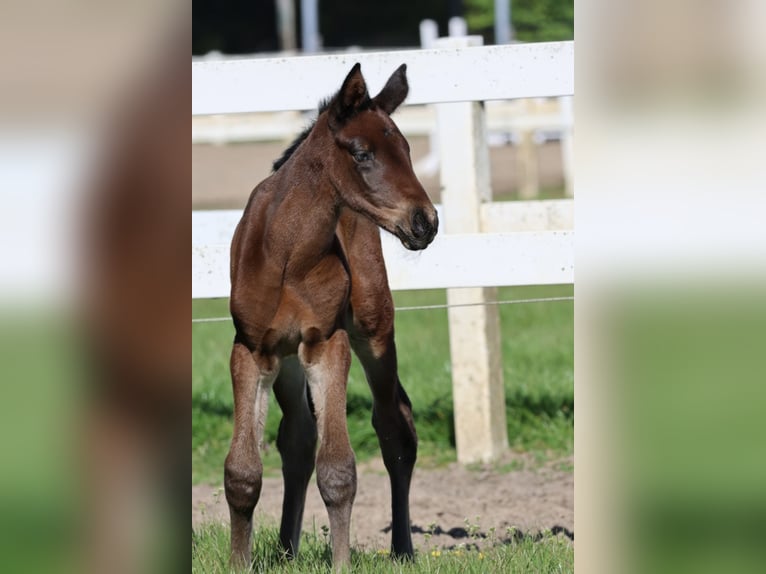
532 499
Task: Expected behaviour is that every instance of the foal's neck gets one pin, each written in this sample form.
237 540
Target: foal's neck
310 204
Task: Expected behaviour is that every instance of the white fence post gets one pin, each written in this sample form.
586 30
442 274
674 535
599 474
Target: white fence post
286 25
429 165
458 27
503 31
477 376
429 31
310 38
567 153
526 153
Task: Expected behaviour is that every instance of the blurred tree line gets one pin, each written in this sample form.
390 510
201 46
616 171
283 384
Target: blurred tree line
249 26
532 20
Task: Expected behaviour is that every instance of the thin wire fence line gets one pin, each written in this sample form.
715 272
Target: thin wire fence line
506 302
430 307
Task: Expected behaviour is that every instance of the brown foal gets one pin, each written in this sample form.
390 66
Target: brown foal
308 285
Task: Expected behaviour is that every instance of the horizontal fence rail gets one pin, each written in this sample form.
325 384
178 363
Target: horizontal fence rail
451 261
443 75
530 244
217 226
503 117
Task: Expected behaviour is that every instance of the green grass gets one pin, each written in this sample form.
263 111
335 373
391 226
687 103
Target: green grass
537 345
552 192
210 547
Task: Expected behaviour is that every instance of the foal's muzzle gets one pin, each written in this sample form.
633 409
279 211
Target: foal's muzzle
423 226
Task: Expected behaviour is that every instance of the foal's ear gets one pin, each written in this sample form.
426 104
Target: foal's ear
394 92
351 97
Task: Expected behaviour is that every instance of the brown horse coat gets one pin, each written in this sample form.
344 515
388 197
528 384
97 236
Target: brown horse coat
308 284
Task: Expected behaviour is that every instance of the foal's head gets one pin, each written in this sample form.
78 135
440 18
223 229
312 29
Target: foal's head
370 160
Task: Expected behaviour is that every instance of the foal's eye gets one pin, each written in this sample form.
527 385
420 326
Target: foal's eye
362 156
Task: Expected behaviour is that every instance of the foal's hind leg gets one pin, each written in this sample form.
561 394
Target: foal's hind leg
243 471
297 444
326 364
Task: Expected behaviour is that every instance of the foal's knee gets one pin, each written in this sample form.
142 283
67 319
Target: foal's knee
336 480
242 483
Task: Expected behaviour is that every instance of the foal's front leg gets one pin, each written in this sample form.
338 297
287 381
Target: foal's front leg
372 334
394 425
243 471
326 364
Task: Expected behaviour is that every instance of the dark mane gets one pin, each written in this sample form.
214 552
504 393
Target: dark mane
323 105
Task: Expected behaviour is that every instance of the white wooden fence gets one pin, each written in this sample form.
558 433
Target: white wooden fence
503 117
481 245
439 75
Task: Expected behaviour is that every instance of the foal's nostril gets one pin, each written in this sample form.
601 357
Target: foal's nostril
420 225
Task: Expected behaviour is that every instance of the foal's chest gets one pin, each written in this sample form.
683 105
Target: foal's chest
317 301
